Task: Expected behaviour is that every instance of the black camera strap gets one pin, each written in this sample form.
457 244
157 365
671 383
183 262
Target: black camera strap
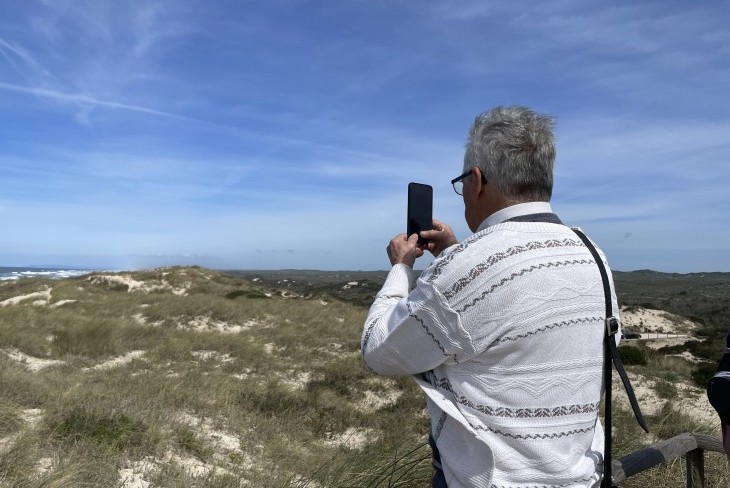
610 354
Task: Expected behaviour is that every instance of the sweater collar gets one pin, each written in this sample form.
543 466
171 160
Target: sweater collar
519 210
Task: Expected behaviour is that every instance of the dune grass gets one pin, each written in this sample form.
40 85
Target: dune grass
272 392
185 377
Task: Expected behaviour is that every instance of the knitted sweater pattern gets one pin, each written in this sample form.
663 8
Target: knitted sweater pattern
503 332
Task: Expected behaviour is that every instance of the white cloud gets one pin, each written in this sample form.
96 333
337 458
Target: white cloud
107 49
11 52
83 100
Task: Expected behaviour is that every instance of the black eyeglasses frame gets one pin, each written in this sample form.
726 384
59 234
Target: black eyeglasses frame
462 176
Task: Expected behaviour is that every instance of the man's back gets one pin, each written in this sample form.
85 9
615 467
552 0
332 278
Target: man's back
522 362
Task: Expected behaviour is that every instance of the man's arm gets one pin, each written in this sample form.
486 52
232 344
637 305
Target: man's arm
410 327
410 330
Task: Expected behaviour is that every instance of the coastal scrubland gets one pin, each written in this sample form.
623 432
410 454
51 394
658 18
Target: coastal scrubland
188 377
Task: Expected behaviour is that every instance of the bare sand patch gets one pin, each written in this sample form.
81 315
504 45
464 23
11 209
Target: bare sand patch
690 401
352 438
135 474
296 380
226 446
6 442
651 320
374 401
30 416
142 320
688 356
244 375
45 297
34 364
122 279
207 324
116 362
224 443
337 350
181 291
135 285
43 466
382 392
214 355
195 467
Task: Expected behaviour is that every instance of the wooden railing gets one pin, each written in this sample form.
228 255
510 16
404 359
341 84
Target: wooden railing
691 446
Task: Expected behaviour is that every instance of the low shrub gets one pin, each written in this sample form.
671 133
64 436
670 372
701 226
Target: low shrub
246 293
702 373
114 429
666 390
632 355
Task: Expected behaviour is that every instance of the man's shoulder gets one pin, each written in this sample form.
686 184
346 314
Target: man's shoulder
502 244
521 235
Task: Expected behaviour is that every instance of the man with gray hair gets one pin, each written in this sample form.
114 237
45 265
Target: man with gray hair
504 330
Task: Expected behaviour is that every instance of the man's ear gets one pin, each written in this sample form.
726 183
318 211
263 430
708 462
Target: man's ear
476 173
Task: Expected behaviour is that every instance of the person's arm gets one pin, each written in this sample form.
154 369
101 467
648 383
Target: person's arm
409 333
410 327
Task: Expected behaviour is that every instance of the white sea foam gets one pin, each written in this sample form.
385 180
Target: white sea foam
7 274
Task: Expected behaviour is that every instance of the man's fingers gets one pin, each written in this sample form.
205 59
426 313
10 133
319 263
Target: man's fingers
429 234
404 249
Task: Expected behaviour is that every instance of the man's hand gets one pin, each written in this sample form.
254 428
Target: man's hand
439 238
404 250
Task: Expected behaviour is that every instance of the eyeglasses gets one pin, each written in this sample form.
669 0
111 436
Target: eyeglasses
458 182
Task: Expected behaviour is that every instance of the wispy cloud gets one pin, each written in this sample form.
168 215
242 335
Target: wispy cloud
84 100
12 53
109 50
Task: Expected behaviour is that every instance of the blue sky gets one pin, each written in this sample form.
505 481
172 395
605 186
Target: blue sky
283 134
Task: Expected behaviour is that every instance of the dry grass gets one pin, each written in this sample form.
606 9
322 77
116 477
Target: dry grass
186 377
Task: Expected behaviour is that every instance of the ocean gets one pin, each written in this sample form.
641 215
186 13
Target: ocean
52 273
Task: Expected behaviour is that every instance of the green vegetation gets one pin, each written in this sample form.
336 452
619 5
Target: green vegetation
632 355
701 374
186 377
218 382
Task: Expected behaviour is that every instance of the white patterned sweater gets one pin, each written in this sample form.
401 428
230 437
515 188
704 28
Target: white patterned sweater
504 334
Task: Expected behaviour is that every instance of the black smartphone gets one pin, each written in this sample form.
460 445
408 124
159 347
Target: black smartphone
420 209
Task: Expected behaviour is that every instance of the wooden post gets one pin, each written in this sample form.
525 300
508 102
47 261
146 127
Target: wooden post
695 460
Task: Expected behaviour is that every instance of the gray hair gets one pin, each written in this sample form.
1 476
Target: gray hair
514 148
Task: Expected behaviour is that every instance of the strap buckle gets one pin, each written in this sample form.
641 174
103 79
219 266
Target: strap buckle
611 326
